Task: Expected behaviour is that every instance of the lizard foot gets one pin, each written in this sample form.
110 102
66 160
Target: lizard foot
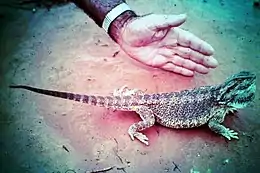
141 137
222 130
229 133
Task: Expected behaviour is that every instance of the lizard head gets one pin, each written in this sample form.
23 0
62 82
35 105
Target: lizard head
238 90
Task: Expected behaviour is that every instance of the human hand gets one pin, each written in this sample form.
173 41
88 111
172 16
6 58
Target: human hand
156 40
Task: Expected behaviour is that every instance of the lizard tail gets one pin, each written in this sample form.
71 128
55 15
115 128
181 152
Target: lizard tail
93 100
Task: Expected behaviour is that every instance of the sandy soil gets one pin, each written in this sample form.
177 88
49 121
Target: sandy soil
63 49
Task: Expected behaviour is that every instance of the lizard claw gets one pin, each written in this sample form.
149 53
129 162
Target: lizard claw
131 136
230 134
141 137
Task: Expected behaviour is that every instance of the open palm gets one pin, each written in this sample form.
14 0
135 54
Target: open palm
157 41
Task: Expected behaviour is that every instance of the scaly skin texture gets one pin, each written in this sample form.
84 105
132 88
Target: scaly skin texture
184 109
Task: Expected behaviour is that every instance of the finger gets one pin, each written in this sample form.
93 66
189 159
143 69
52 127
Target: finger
176 69
158 61
160 21
188 39
164 62
195 56
185 63
188 64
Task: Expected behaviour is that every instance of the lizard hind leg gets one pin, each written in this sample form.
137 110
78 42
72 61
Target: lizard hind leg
148 120
215 125
125 91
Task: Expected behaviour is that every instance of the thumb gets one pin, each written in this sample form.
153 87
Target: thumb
167 21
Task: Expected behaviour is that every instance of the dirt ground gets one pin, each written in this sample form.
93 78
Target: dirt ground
63 49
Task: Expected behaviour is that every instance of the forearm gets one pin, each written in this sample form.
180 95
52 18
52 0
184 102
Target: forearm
98 9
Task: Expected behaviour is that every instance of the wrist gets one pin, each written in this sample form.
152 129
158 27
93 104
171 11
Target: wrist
116 20
117 26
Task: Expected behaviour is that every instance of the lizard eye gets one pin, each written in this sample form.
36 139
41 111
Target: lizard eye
240 80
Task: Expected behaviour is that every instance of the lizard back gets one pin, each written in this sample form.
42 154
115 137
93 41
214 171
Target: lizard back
187 108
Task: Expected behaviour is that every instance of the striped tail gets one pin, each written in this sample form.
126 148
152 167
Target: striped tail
93 100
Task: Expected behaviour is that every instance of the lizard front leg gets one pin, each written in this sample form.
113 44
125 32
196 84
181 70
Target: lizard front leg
148 120
215 125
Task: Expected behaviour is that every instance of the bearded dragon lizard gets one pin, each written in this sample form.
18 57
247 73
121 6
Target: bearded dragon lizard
185 109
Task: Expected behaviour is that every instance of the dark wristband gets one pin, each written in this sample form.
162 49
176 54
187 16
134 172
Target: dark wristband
117 25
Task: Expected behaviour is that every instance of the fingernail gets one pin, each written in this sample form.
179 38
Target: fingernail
211 49
203 70
213 62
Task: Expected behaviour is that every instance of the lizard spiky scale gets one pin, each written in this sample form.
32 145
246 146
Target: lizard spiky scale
184 109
